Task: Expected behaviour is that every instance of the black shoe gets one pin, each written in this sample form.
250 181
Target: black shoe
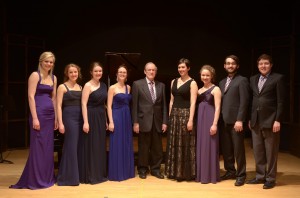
143 175
255 181
269 185
157 175
239 182
179 180
228 176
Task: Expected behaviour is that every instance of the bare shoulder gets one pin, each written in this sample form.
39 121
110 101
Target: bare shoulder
173 81
62 86
193 82
128 88
87 86
34 75
111 87
55 78
216 90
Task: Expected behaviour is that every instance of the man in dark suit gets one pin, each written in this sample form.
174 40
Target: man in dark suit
235 101
266 115
149 115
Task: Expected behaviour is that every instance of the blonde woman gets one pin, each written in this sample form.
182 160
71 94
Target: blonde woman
39 169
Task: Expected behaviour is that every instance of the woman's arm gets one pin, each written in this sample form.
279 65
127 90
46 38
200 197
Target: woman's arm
32 84
193 99
54 102
216 92
84 99
171 98
59 100
110 96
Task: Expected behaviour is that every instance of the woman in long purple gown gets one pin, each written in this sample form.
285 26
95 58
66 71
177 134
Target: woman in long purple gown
121 159
39 169
207 149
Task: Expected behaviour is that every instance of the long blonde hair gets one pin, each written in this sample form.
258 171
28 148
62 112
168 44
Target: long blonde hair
44 56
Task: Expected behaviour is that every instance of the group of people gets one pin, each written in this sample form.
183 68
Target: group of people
191 121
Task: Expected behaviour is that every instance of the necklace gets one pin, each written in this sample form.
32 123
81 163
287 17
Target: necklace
180 81
71 84
208 86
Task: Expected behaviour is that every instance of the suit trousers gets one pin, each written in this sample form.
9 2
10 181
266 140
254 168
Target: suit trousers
233 150
265 148
150 151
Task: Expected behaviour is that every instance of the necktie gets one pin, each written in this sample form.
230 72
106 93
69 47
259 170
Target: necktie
227 83
261 82
152 91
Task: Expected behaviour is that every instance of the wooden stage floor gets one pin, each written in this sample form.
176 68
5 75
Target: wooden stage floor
288 183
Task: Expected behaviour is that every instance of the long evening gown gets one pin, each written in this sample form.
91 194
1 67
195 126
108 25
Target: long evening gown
208 165
92 148
181 157
121 159
68 173
39 169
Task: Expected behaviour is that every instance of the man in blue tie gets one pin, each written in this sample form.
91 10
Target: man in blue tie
266 117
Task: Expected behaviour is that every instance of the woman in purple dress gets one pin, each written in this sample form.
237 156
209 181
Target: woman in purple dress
69 118
207 149
121 159
92 145
39 169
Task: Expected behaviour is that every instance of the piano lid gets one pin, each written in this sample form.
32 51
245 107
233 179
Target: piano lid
131 60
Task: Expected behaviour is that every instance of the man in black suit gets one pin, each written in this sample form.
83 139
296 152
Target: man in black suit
266 116
150 116
235 101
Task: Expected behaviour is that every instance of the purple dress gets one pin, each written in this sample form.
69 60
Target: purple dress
207 151
121 159
39 169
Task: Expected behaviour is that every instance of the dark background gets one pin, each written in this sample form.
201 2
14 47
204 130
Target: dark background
162 32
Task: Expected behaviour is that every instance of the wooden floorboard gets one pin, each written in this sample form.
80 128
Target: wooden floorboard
288 183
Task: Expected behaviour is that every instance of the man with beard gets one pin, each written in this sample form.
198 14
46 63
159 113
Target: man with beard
235 100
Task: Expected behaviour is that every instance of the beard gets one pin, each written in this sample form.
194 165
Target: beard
231 71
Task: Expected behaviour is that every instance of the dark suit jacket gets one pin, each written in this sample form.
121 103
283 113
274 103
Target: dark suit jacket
144 111
235 100
267 106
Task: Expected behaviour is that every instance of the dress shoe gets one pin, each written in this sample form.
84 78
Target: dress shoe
269 185
227 176
255 181
157 175
142 175
239 182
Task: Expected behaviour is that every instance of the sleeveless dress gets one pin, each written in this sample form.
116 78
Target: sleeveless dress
208 165
121 156
39 169
68 173
92 145
181 158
